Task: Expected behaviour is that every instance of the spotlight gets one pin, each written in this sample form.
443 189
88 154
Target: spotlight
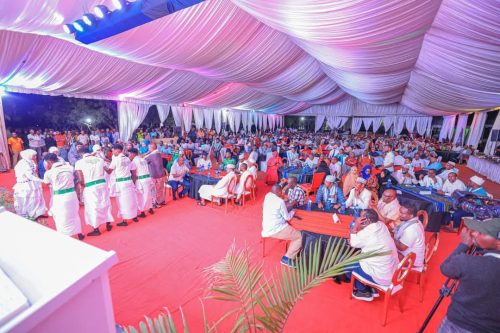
89 19
101 11
79 25
69 28
119 4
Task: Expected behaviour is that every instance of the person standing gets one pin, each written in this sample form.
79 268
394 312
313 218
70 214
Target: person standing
64 204
16 145
125 173
273 164
143 183
388 158
34 143
475 305
28 194
155 162
91 174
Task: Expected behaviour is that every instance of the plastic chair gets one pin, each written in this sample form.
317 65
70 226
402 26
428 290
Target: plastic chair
395 287
229 196
423 217
167 188
248 189
314 186
263 240
431 246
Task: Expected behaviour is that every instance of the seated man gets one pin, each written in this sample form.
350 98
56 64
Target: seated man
176 177
295 194
359 196
388 208
449 167
409 236
452 184
336 168
431 180
204 162
369 234
434 164
405 176
220 189
292 157
228 159
275 217
329 191
240 187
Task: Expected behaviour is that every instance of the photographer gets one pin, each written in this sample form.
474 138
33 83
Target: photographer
475 305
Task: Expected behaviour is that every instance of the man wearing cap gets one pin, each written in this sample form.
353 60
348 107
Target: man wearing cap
330 193
126 175
204 162
64 204
55 151
143 184
449 167
475 305
475 186
452 184
404 176
91 174
220 189
252 167
359 196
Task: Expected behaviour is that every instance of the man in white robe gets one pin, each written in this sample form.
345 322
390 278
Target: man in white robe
143 184
452 184
126 196
359 196
252 167
64 204
91 175
28 194
240 187
220 189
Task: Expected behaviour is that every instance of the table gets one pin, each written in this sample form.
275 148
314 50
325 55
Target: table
196 181
436 206
448 155
320 222
485 167
285 172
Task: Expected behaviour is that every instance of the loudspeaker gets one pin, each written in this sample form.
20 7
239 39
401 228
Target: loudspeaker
495 135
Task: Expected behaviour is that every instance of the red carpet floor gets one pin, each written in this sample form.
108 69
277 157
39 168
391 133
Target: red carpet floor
162 259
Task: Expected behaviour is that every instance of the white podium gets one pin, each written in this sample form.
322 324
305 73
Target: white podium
64 280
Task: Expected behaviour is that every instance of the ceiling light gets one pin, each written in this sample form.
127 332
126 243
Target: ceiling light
68 28
119 4
101 11
89 19
79 25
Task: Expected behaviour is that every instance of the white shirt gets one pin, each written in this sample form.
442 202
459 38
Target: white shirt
414 238
389 159
389 210
362 201
336 169
399 160
203 163
400 177
122 166
83 138
141 165
60 176
444 174
420 163
178 170
92 168
428 182
376 237
274 215
34 140
449 187
95 138
253 171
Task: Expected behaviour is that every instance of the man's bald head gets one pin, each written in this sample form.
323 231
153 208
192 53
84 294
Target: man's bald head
389 195
276 189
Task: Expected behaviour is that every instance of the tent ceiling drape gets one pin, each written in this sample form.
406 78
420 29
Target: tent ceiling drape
431 57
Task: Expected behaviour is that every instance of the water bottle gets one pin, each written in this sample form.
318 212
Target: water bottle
328 204
309 205
389 183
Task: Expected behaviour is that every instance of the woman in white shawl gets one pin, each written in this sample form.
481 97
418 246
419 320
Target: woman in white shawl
28 193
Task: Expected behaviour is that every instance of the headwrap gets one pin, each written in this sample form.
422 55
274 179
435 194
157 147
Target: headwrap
27 154
363 171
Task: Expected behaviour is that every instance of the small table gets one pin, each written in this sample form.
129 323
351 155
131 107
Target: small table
196 181
285 172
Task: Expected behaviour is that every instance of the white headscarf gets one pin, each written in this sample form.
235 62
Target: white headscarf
28 154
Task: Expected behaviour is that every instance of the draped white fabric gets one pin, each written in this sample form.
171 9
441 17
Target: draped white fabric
208 117
490 145
237 120
410 123
265 121
231 120
336 122
423 125
318 122
447 128
244 120
4 148
177 113
356 125
399 124
433 57
218 119
460 129
163 111
256 120
130 117
376 122
198 117
388 122
477 128
187 118
367 122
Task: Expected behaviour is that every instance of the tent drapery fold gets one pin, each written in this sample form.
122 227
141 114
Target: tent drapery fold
477 128
447 128
130 117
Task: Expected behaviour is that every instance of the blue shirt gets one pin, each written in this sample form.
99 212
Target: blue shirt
436 166
339 195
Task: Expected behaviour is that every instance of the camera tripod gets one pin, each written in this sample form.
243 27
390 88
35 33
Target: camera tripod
446 290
